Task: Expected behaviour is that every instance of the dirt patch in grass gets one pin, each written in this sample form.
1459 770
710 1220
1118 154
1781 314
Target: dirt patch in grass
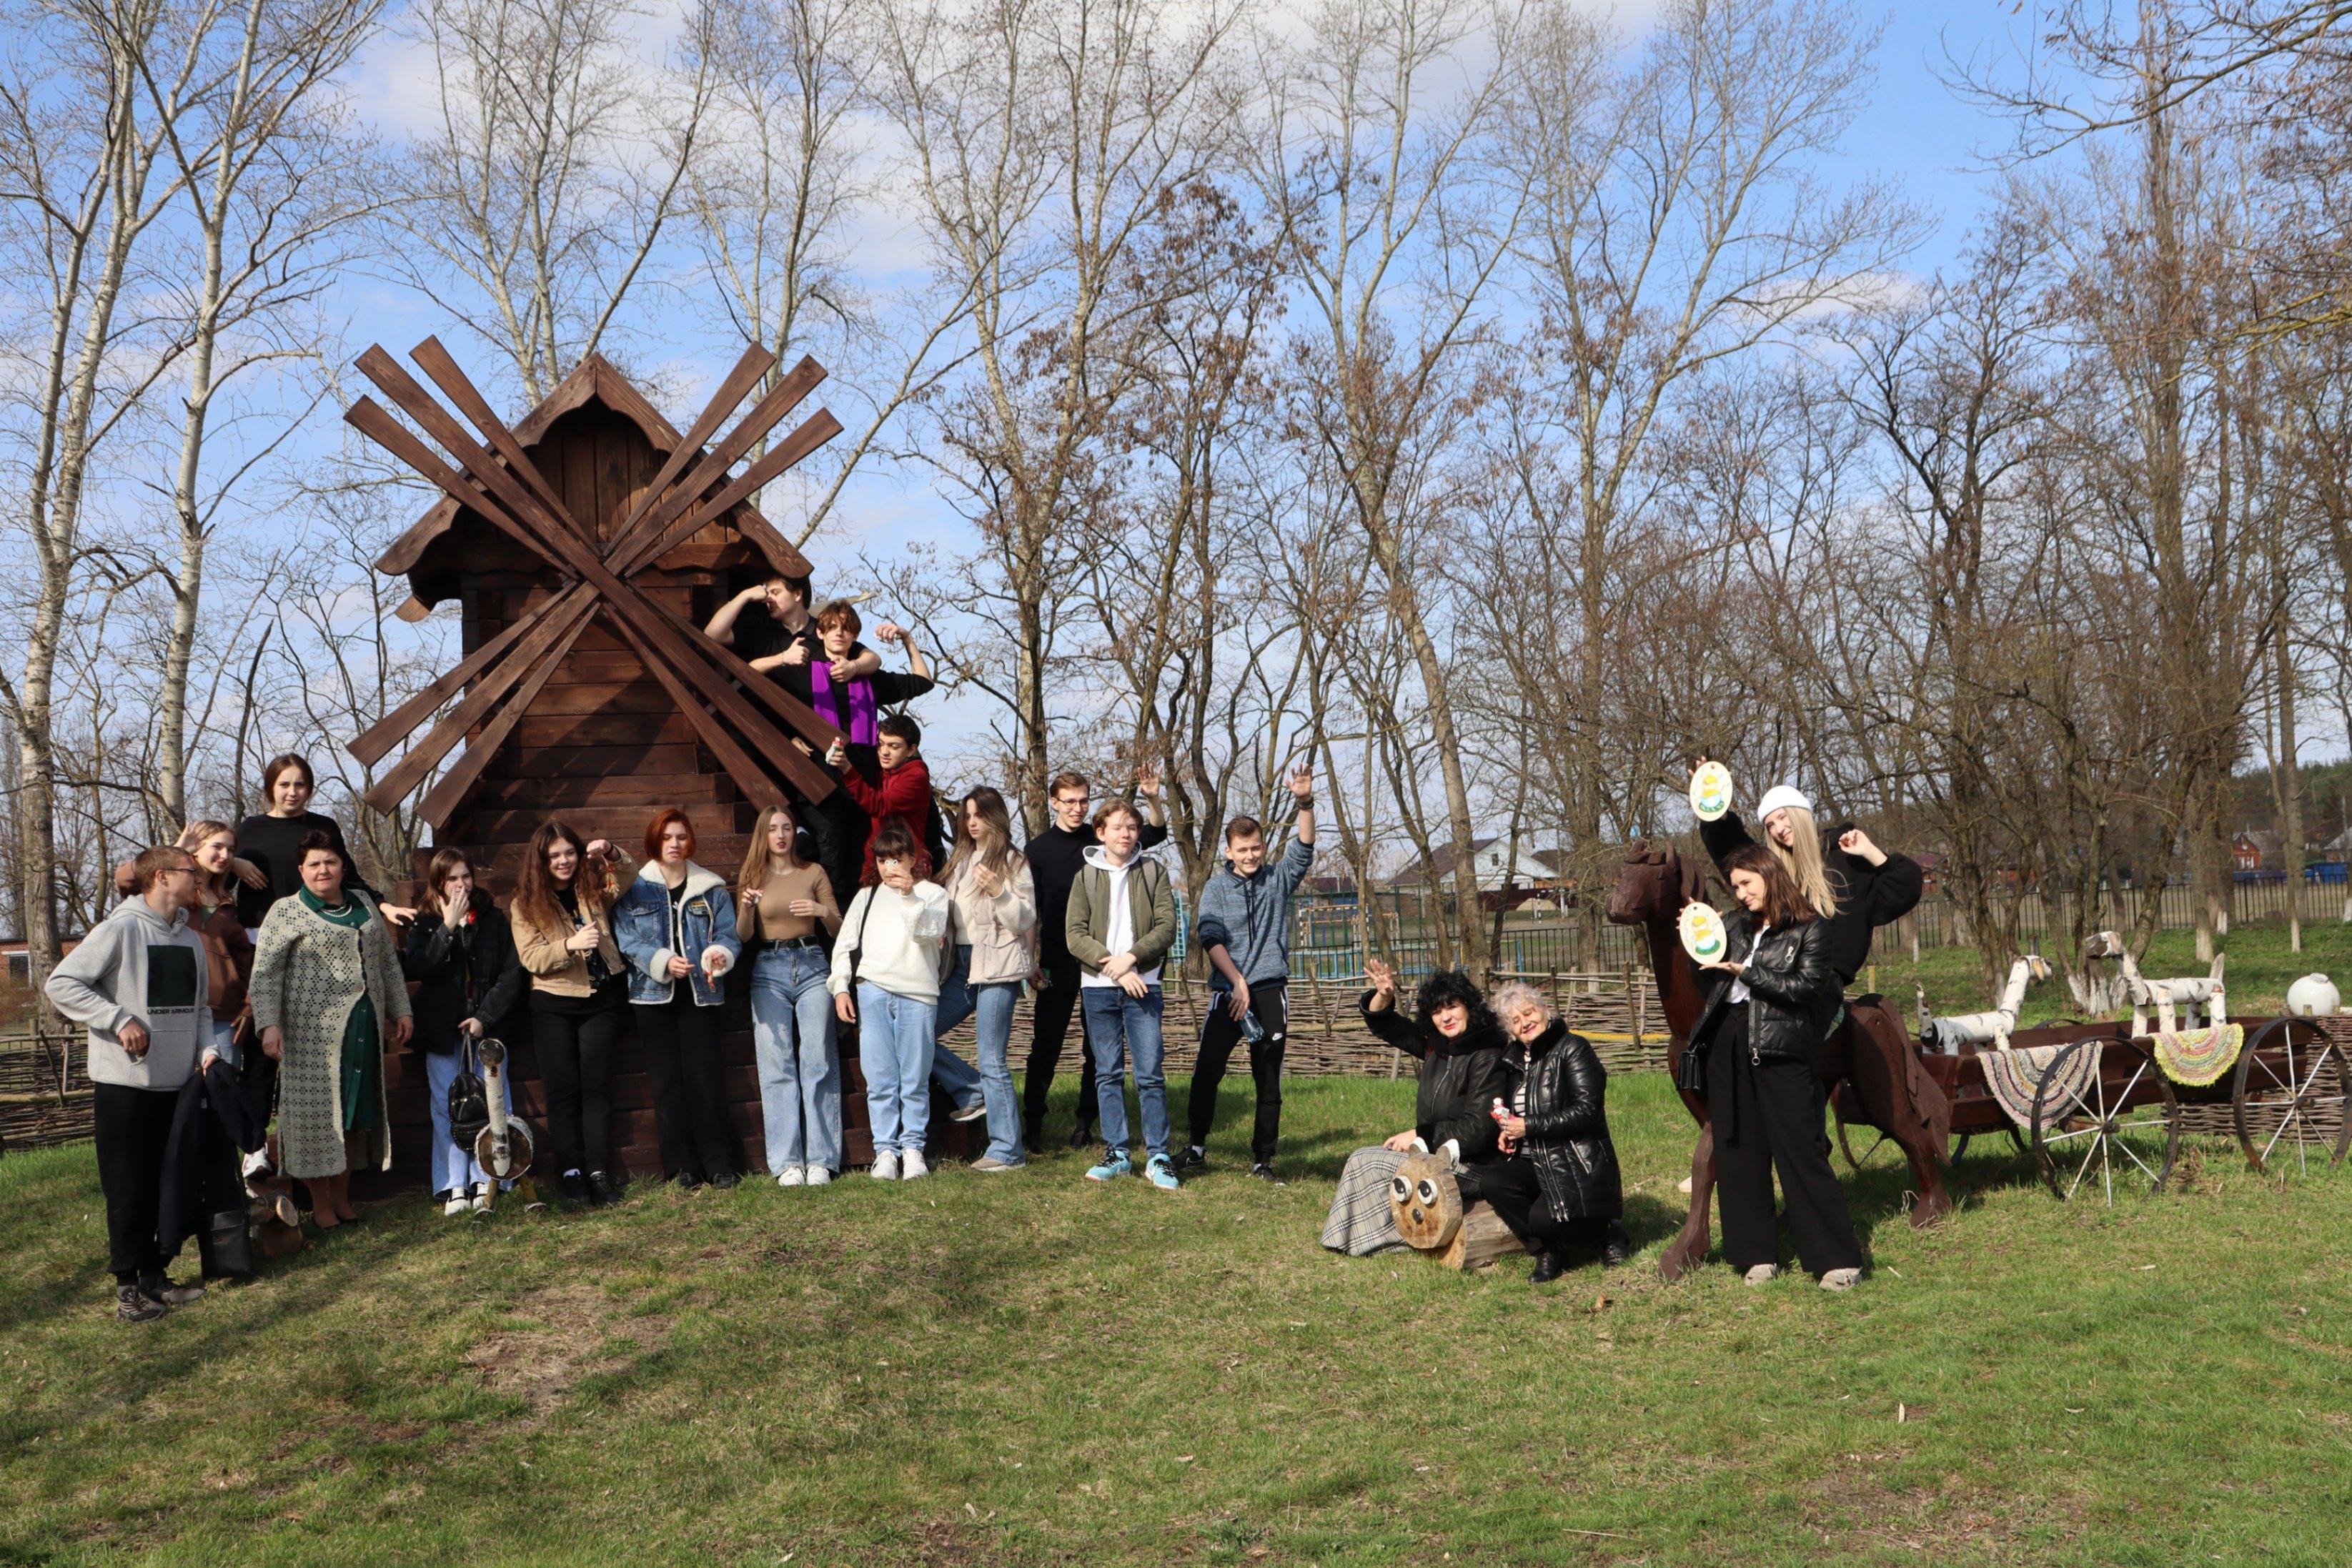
1853 1512
574 1323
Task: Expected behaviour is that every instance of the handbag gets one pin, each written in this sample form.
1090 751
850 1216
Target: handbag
1691 1076
470 1099
225 1246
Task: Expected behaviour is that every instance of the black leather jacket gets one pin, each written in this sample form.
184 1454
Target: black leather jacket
1568 1123
1462 1076
1794 992
479 954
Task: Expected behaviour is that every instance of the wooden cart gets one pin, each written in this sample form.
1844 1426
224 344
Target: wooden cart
2285 1099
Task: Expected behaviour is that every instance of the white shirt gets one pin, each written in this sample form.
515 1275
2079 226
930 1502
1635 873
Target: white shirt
1738 992
1120 936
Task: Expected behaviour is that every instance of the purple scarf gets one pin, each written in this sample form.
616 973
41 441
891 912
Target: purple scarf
858 723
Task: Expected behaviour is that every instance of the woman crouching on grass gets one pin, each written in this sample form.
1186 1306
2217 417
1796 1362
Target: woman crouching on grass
1460 1048
1772 999
1559 1188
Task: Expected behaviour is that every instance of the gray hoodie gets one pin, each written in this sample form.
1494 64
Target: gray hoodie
137 965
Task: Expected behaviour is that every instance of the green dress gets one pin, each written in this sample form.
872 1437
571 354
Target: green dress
362 1051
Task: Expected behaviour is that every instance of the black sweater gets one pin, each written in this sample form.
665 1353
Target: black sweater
1868 895
477 960
274 844
1056 857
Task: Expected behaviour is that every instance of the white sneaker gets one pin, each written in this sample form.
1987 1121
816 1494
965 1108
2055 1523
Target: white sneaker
459 1204
792 1176
1840 1278
481 1204
910 1166
885 1166
1683 1186
818 1175
1763 1274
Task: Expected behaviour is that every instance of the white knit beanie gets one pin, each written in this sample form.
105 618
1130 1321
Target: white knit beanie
1777 797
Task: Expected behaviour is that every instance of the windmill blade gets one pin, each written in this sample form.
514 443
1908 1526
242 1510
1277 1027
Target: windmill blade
371 419
445 795
527 657
740 765
442 371
712 469
755 363
763 687
814 432
371 746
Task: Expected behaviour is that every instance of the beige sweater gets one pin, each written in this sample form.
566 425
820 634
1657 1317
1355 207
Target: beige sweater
1003 930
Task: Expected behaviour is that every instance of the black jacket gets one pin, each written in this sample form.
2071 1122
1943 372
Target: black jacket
1568 1123
1795 997
1868 895
200 1173
479 954
1462 1076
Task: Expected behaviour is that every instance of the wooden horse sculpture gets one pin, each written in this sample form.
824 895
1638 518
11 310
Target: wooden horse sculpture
1867 1052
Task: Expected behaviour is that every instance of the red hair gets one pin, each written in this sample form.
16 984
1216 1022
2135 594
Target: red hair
661 825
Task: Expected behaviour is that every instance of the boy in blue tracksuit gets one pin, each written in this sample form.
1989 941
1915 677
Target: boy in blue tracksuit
1244 925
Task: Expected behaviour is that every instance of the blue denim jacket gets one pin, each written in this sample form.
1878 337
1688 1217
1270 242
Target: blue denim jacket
647 937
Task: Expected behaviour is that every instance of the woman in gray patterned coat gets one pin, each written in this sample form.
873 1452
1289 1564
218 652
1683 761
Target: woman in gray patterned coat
328 997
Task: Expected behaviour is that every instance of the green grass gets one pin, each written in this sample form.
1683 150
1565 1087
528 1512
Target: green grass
1028 1369
2259 970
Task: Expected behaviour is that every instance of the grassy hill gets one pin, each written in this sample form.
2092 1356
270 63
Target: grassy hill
1029 1369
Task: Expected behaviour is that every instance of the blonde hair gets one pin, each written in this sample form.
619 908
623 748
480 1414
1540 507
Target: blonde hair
759 862
216 889
1803 857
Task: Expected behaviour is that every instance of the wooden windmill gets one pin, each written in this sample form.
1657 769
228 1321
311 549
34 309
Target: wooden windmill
587 544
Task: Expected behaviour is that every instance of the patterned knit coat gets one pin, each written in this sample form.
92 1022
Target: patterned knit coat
308 974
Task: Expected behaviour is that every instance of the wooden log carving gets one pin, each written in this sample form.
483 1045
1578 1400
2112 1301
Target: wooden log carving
1432 1218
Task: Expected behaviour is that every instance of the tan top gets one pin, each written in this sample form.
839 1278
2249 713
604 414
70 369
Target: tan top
776 921
554 967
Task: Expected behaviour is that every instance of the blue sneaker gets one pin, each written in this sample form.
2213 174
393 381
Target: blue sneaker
1114 1164
1161 1173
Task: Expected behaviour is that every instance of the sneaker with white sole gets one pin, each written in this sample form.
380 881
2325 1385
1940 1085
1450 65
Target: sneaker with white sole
1114 1165
1840 1278
991 1164
459 1204
911 1166
1162 1173
973 1113
482 1198
1762 1274
885 1166
818 1176
792 1176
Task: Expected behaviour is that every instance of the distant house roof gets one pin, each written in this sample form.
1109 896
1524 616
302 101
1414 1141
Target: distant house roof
1440 864
2261 838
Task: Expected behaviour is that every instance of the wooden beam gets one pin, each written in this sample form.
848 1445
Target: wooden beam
814 432
712 469
740 765
755 363
427 753
371 419
444 373
371 746
445 796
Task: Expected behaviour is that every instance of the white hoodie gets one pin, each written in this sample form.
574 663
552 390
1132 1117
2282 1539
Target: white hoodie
897 938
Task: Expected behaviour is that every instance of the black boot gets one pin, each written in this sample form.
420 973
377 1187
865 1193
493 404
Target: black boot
1618 1249
1547 1269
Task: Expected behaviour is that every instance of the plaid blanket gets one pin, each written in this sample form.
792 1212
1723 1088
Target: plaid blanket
1361 1222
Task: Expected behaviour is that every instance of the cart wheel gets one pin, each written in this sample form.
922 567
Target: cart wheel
2123 1134
2293 1087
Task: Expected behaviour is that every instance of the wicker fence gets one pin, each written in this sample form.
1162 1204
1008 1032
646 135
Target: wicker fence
44 1091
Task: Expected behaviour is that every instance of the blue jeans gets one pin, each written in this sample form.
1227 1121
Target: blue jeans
224 1041
1119 1025
800 1070
454 1169
895 1046
952 1073
993 1001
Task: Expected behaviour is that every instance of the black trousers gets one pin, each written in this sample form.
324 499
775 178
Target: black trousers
132 1125
681 1048
1220 1032
1765 1118
1514 1193
837 826
574 1037
1049 1025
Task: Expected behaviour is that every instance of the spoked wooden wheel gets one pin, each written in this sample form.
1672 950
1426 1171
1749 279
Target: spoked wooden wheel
1855 1162
2122 1134
2293 1093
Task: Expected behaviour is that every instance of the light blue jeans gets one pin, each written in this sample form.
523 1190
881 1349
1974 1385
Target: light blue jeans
992 1033
453 1170
1119 1026
800 1069
894 1047
955 1075
225 1042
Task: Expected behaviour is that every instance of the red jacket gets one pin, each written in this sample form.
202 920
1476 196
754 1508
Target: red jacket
904 794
